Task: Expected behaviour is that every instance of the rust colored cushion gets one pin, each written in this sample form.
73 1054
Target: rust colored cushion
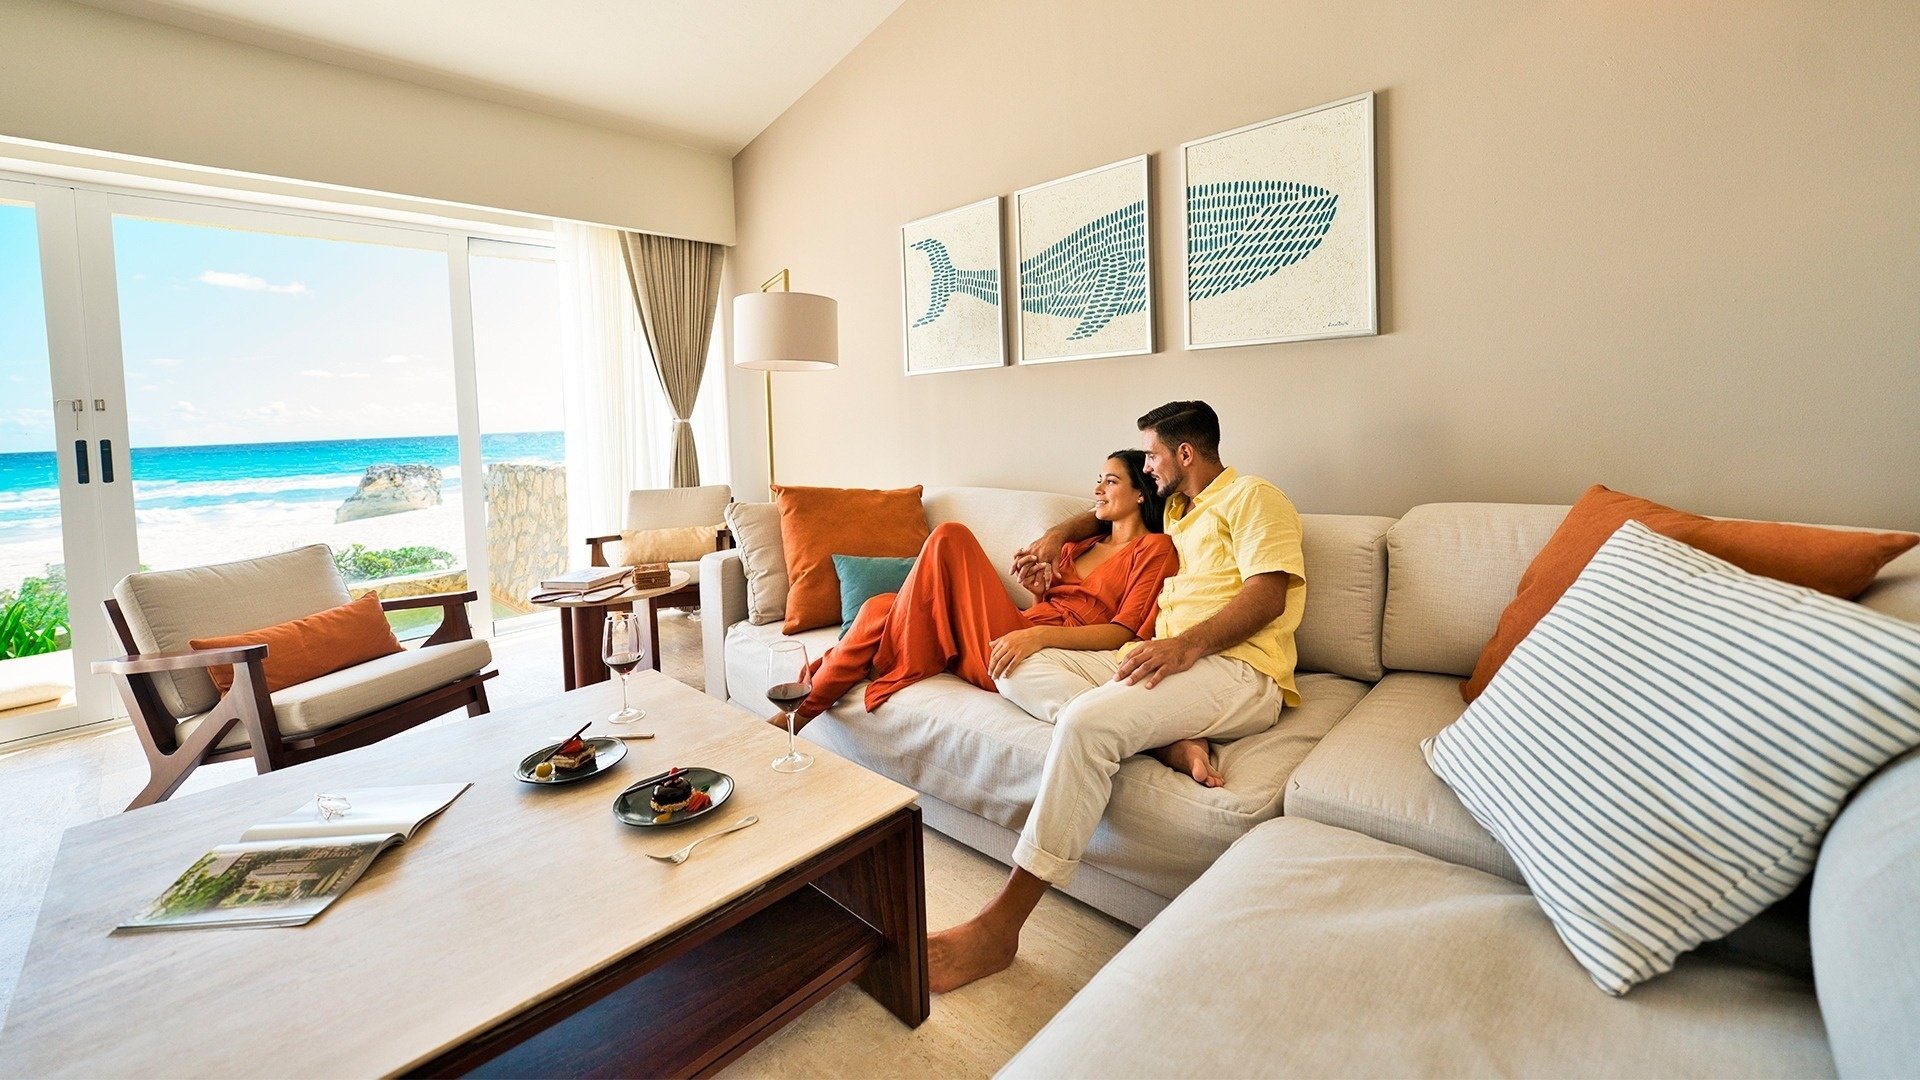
324 642
818 523
1836 562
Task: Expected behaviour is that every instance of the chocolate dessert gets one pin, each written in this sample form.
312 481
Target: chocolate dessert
671 794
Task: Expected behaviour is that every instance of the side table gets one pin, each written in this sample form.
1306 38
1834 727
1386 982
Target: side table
583 626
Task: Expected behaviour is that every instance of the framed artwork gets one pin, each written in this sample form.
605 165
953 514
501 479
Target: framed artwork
1085 287
1279 229
950 287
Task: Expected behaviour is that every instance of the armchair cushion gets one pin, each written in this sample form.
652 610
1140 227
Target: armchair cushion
686 543
672 508
166 609
303 649
335 698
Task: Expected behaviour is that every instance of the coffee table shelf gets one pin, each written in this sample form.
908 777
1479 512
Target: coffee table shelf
710 1005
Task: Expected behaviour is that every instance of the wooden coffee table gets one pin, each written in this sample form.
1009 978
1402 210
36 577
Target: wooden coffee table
523 932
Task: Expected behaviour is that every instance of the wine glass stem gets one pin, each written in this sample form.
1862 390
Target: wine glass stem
623 692
793 725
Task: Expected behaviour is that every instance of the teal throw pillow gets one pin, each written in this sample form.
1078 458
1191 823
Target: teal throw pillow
862 579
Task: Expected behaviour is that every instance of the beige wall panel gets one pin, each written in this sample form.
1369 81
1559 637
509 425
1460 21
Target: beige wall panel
78 76
1671 247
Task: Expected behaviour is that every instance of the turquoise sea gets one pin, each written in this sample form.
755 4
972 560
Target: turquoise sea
245 484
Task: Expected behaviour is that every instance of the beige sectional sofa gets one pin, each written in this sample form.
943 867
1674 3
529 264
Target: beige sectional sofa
1376 928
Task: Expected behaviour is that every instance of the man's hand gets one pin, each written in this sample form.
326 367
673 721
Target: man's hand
1040 554
1155 660
1036 578
1010 650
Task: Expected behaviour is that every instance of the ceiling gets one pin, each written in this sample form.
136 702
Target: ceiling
710 74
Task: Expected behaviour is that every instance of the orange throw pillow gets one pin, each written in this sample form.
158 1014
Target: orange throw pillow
818 523
1831 561
324 642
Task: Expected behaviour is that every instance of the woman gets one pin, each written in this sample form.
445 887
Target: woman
953 614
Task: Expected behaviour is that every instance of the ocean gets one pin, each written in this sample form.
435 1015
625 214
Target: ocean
244 486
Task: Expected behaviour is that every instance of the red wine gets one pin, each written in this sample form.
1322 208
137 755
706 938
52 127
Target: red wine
620 665
788 694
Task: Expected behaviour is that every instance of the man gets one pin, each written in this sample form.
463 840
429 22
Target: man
1220 666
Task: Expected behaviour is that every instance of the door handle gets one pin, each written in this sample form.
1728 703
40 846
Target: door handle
106 461
80 459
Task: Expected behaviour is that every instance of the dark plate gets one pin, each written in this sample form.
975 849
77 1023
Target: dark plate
634 808
606 754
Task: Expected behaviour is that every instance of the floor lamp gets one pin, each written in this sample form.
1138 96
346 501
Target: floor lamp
784 331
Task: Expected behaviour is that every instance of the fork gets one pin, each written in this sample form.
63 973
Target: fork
680 856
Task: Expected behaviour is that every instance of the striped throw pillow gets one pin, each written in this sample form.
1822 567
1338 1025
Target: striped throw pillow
1664 751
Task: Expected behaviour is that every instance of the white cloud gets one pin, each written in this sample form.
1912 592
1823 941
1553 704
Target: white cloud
186 408
229 280
317 373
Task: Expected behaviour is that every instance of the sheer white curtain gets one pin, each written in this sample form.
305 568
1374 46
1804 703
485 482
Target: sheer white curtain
618 419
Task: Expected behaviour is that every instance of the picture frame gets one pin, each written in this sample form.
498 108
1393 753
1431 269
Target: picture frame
1279 229
951 290
1083 253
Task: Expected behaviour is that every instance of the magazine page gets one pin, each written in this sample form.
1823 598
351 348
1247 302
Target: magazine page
379 811
261 884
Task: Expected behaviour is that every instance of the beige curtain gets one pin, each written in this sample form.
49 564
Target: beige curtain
676 286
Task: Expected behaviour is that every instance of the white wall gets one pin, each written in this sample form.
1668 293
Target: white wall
78 76
1670 246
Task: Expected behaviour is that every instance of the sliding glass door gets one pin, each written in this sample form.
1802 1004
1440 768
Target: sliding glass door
209 382
51 559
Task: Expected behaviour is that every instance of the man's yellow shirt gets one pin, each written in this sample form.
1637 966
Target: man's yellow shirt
1238 527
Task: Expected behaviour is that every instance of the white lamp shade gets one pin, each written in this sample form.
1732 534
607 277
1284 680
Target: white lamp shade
785 331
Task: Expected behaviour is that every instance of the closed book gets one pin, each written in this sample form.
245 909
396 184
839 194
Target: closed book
583 580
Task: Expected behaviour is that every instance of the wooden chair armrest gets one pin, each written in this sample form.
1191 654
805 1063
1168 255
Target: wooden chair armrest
180 661
723 540
439 600
597 555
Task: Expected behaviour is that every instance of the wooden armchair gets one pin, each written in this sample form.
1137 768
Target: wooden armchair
673 508
182 721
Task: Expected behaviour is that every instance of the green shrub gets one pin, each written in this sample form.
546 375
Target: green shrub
361 563
34 619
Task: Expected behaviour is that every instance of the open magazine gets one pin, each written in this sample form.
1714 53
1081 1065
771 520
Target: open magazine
286 871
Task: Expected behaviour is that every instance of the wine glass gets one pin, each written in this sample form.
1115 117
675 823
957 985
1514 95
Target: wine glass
620 648
791 683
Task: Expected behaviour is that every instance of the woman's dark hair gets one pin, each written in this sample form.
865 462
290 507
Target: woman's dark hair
1153 508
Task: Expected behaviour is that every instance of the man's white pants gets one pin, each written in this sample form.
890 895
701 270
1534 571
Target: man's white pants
1098 723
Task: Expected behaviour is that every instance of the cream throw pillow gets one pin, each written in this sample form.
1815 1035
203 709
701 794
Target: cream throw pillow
763 556
639 547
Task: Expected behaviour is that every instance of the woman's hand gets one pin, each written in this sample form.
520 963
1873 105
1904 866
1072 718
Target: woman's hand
1036 578
1010 650
1042 553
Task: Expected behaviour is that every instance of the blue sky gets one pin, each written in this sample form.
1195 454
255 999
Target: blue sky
231 336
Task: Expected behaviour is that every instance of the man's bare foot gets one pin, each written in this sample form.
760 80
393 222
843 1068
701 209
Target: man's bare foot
1191 756
972 950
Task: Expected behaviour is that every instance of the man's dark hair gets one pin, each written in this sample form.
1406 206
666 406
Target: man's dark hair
1190 422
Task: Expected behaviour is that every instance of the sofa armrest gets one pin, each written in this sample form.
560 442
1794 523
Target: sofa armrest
723 602
147 663
454 625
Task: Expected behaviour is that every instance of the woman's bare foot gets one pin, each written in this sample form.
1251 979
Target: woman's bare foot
1191 756
972 950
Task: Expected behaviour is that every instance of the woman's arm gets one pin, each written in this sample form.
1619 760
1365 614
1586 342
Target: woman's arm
1009 651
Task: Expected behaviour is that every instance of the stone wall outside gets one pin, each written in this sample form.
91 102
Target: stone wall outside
526 529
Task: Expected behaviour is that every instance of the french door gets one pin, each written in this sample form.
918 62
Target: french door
215 382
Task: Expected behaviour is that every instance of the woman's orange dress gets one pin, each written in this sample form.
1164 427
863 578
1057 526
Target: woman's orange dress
952 606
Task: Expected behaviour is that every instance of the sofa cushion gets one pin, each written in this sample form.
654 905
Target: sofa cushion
1003 520
307 648
1369 775
166 609
1663 753
682 544
1866 939
1314 951
818 523
335 698
763 559
1451 570
1346 557
1838 562
672 508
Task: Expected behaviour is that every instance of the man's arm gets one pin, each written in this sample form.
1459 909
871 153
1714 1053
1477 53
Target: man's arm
1262 599
1046 550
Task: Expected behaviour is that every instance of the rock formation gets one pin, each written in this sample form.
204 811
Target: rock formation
391 489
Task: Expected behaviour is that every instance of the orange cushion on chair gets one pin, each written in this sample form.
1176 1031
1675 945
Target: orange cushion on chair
818 523
324 642
1836 562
